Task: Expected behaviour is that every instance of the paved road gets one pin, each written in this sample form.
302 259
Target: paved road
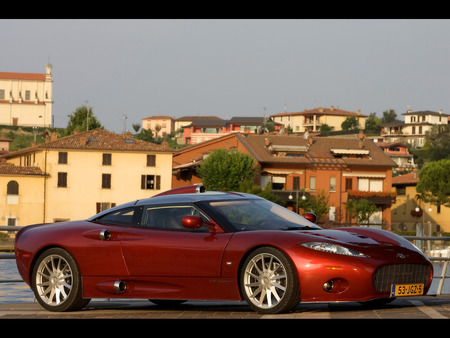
405 308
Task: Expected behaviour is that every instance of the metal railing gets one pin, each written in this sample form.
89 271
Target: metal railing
442 277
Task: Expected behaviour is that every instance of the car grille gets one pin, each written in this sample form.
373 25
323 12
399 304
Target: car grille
387 275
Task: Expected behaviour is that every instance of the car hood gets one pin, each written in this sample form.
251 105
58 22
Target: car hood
363 239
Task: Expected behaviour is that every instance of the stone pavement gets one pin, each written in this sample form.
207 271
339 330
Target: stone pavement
405 308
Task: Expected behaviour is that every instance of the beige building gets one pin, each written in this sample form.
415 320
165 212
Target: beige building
19 187
26 98
313 119
413 130
159 125
409 213
80 175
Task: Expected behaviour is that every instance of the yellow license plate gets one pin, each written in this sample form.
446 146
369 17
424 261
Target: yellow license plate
398 290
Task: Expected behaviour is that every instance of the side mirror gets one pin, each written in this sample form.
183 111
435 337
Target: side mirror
310 216
192 222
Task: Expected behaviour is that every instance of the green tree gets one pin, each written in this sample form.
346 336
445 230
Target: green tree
226 170
389 116
82 119
434 182
325 129
360 208
373 124
350 123
438 140
145 135
136 127
250 187
318 204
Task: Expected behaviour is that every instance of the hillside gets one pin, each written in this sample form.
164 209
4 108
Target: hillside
22 137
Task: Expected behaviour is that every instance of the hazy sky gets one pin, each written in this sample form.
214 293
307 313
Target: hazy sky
226 68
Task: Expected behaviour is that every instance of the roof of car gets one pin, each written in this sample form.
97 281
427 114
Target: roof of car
181 198
194 197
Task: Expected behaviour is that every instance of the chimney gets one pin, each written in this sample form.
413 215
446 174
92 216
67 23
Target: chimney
361 139
361 134
127 135
83 140
54 137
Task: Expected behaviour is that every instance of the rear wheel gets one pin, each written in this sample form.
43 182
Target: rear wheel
269 281
57 281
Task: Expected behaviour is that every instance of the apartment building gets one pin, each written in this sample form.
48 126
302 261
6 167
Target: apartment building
313 119
26 98
202 130
344 168
412 131
75 177
159 125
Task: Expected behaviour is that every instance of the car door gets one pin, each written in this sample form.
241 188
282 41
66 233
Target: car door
162 247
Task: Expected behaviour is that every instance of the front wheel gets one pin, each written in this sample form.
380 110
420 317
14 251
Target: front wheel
57 281
269 282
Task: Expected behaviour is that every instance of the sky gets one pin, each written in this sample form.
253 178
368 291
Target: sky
232 67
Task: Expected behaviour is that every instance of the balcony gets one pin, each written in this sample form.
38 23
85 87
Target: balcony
376 197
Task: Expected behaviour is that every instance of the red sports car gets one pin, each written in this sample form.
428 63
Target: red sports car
184 245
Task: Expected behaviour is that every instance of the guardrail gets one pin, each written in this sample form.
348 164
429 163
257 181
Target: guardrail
442 277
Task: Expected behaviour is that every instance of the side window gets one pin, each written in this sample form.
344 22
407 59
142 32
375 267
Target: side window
127 216
169 217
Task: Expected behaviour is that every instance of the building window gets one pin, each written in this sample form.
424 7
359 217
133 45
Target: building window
2 94
106 181
12 188
151 160
332 184
62 180
348 184
27 95
102 206
12 192
150 182
366 184
62 157
296 183
312 183
106 159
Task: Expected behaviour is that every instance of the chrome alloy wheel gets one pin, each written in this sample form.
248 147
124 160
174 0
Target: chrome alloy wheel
265 280
54 280
269 281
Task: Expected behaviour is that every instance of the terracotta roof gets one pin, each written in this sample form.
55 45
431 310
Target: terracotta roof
318 152
192 118
11 169
426 112
97 139
22 76
407 179
159 117
322 111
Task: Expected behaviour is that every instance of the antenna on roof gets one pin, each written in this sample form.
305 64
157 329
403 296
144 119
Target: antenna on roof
124 118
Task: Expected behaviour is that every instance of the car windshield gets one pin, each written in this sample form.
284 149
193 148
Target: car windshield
260 215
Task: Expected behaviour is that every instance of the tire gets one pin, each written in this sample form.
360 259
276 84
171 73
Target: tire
269 281
56 281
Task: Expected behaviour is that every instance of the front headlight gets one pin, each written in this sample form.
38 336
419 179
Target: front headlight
332 248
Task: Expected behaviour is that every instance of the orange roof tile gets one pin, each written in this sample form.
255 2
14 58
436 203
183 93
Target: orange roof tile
22 76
